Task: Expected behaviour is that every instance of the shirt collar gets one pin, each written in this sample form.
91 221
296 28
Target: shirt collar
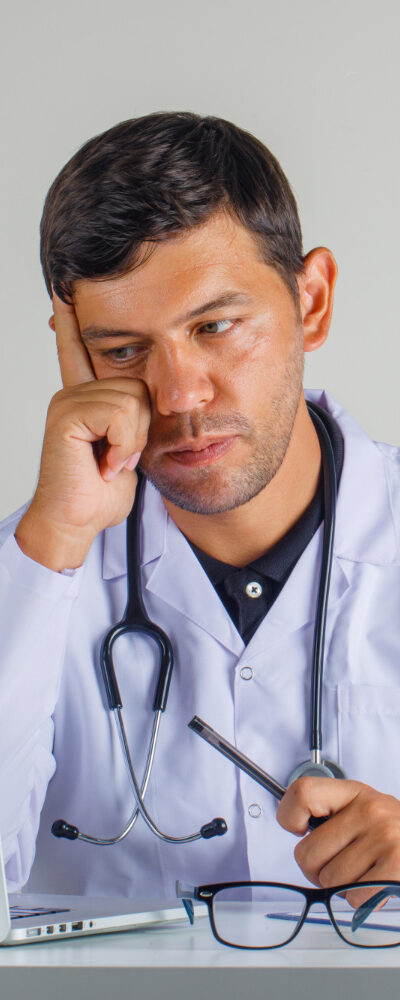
365 525
277 561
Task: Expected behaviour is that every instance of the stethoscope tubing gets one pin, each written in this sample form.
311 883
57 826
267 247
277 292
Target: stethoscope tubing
109 841
136 620
330 494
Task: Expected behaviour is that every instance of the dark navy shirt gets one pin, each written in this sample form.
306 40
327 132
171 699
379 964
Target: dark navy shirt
248 593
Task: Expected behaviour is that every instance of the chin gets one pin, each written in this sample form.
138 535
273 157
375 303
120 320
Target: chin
213 492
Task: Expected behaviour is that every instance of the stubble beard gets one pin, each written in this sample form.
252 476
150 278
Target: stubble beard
215 491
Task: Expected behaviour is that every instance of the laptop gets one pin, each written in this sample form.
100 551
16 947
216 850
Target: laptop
27 918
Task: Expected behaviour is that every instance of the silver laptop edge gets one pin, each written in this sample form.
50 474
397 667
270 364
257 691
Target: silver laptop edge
45 917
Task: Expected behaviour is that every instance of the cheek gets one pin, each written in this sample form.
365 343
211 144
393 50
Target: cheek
257 363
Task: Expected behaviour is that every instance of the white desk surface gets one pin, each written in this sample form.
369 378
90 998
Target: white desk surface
174 962
182 946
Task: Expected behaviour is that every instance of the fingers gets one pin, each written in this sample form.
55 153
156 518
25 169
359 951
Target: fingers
320 849
364 838
73 358
341 853
113 415
130 424
314 797
360 840
357 897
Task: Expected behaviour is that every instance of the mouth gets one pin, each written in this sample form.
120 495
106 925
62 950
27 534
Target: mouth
201 452
197 444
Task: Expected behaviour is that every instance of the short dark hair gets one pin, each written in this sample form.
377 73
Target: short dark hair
150 178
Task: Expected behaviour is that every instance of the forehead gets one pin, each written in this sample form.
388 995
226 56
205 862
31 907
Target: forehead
197 264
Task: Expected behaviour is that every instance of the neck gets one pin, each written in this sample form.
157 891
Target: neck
240 536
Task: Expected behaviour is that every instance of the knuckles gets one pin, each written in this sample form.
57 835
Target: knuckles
302 790
376 817
300 852
298 801
377 809
294 808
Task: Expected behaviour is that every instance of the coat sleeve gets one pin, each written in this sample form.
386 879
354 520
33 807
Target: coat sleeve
35 607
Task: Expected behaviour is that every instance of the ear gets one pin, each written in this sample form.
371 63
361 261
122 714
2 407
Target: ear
316 287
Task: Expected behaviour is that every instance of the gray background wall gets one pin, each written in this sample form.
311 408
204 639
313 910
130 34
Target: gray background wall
316 80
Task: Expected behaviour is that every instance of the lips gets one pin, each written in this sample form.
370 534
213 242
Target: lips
196 445
195 453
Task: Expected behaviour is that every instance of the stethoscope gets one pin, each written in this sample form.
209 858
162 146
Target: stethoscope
318 765
136 620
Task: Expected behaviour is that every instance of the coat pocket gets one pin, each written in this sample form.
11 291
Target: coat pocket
369 735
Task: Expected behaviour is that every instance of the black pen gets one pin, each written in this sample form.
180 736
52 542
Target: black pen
240 760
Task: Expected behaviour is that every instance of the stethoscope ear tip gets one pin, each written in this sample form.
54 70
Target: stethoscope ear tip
216 828
61 828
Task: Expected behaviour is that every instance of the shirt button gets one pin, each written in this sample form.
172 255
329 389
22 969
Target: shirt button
254 589
246 673
254 810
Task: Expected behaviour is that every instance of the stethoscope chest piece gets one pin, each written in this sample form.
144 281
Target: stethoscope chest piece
322 769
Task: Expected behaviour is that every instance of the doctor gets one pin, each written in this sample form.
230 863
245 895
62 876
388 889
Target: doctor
182 308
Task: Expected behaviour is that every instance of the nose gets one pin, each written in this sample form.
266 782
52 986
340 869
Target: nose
178 381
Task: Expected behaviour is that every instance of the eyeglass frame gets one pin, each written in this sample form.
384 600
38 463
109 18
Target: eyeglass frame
207 893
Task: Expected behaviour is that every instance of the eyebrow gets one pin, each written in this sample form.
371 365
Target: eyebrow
227 299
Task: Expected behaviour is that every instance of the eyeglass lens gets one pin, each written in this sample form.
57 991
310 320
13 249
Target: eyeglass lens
266 917
245 915
374 921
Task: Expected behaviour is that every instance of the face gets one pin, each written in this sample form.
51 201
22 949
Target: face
216 337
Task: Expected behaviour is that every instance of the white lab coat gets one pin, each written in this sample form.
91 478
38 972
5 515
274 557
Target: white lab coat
59 749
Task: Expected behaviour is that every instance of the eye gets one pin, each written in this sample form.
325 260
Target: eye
122 353
212 326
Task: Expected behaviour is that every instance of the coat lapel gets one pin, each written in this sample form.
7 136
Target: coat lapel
178 579
365 532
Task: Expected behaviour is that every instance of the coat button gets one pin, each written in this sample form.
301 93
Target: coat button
254 589
246 673
254 810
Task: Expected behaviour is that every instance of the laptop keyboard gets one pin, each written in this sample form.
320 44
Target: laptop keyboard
20 912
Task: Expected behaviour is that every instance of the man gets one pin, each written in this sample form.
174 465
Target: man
182 307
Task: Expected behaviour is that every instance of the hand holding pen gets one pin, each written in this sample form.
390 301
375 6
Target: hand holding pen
361 840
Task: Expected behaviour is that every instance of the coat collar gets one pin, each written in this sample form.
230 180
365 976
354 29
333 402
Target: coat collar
171 570
365 520
153 532
365 532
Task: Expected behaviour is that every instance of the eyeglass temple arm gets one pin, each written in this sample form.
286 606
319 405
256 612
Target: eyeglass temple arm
186 893
363 911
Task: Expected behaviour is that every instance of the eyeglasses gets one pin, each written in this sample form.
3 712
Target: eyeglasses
270 914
